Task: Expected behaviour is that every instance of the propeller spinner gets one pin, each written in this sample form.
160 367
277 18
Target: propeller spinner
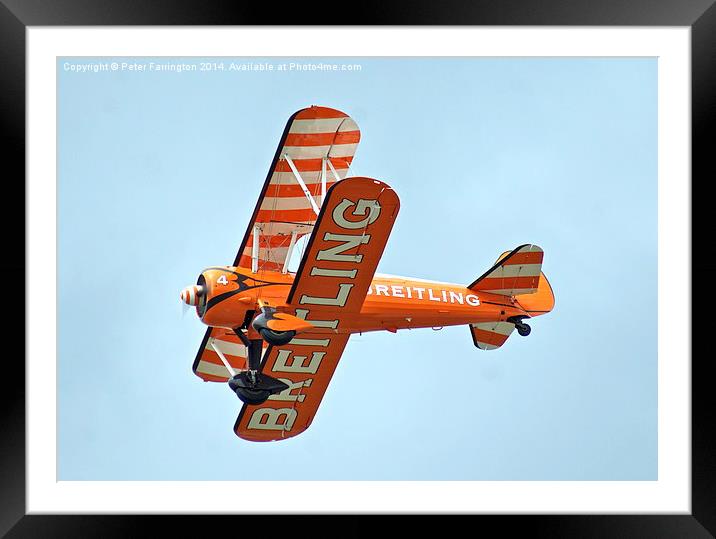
191 295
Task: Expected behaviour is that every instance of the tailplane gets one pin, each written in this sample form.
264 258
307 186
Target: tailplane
516 272
491 335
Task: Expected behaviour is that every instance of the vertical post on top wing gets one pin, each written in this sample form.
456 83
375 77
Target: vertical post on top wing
255 250
291 245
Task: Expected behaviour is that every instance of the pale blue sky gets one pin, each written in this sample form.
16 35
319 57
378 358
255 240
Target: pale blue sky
159 173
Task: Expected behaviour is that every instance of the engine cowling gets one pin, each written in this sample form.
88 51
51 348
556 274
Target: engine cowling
221 296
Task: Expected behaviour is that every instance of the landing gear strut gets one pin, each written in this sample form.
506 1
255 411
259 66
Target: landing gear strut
522 328
252 386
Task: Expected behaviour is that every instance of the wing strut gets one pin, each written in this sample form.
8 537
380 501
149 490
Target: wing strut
222 357
291 245
335 174
323 180
302 183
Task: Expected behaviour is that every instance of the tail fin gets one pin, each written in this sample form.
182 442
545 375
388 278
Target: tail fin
515 272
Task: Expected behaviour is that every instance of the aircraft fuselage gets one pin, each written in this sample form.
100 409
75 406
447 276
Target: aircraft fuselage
391 303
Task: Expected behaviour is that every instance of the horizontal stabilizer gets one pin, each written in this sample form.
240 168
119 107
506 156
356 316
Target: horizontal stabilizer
514 273
491 335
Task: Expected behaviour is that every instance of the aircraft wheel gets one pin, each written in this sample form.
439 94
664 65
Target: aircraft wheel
523 329
277 338
252 396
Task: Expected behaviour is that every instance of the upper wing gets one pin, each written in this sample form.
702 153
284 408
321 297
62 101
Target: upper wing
330 287
317 143
315 139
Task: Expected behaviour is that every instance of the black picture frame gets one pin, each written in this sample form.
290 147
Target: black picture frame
16 15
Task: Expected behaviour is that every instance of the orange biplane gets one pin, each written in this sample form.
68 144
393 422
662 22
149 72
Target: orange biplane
276 337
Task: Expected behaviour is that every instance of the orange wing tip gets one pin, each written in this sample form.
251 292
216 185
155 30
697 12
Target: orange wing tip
254 433
315 112
266 436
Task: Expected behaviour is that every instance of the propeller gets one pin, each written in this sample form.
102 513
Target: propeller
191 296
